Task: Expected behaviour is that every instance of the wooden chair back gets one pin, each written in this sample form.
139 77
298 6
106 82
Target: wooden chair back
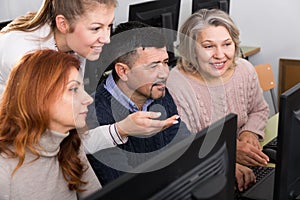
267 81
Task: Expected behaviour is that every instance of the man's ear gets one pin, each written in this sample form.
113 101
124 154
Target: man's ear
122 70
62 23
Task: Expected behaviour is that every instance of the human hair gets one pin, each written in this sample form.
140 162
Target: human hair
191 28
35 83
70 9
125 40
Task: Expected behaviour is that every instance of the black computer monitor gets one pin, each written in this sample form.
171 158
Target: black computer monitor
4 23
209 4
287 172
159 13
205 169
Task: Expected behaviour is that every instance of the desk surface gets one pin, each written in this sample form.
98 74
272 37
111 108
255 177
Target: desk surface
249 50
271 129
271 132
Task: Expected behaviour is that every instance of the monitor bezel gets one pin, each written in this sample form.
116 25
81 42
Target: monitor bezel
169 20
155 5
126 186
289 104
209 4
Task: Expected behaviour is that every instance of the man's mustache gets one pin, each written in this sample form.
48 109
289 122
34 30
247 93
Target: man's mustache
159 81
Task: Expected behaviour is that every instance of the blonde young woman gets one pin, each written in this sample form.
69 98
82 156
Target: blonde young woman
78 27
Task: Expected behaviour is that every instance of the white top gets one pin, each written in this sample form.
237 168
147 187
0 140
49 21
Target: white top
14 44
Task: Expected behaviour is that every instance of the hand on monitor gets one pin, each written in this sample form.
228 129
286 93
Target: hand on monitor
144 123
244 177
249 155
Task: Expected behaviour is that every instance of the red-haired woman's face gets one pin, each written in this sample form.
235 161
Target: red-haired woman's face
69 111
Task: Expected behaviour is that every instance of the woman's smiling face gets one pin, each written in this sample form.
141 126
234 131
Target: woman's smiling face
215 52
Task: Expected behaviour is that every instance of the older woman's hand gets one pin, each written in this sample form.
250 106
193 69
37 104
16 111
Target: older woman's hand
249 155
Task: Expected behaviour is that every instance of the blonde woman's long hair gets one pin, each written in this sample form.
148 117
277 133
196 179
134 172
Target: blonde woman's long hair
70 9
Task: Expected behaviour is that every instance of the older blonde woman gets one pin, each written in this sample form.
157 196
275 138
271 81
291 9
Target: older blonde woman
210 81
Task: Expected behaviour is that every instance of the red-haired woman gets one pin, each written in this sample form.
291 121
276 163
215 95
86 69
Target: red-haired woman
41 156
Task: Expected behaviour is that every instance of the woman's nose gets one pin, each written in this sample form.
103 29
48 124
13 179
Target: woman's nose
88 100
104 37
219 53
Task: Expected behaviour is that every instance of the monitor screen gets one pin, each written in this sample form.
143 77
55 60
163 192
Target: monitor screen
159 13
4 23
205 169
287 173
209 4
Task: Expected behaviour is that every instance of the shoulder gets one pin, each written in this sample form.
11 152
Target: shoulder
174 73
168 95
245 67
14 44
7 164
100 87
101 92
5 173
177 80
14 37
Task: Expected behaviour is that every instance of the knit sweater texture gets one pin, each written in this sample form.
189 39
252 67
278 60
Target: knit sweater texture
109 110
199 105
42 178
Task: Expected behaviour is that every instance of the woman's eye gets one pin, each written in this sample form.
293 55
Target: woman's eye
75 89
96 28
208 46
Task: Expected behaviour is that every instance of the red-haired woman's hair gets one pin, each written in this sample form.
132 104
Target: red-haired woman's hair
35 82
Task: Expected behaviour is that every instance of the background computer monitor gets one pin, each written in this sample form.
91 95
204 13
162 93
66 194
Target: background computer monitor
196 174
287 172
159 13
209 4
4 23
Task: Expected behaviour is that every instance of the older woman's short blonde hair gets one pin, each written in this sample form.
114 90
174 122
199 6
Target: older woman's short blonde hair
190 30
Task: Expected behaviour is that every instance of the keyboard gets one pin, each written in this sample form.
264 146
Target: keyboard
260 173
270 149
272 144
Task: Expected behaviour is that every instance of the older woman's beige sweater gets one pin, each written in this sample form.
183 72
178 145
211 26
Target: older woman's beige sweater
199 105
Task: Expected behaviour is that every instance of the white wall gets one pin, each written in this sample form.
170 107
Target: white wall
271 24
10 9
